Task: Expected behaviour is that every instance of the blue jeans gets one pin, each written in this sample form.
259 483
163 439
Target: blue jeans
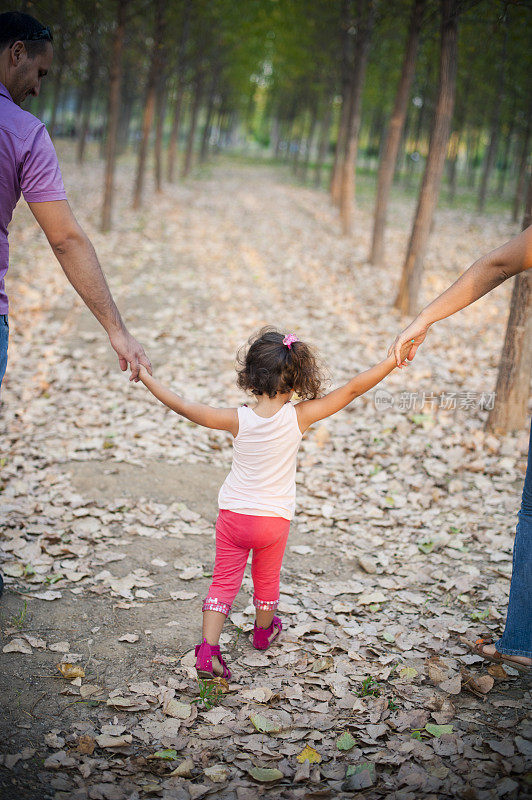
4 336
517 637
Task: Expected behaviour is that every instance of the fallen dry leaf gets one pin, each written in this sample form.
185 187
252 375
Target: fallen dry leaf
70 671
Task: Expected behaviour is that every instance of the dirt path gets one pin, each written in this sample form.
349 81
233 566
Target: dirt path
401 545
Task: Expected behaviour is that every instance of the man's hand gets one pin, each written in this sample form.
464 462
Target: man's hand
414 335
130 352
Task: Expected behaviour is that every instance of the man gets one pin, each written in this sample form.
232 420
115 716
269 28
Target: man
515 645
28 164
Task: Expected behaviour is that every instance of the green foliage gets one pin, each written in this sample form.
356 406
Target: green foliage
370 688
19 619
209 695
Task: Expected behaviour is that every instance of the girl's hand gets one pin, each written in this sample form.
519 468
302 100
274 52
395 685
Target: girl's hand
143 372
408 341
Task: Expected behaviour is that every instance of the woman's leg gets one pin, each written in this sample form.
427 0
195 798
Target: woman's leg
516 640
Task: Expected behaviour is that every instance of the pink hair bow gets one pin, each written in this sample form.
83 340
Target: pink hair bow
289 340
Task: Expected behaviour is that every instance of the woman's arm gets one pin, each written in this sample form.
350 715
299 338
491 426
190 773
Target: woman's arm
222 419
310 411
484 275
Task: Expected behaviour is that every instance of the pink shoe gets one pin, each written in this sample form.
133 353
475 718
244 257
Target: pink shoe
264 637
204 653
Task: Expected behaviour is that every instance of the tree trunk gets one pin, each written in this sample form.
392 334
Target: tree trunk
154 71
198 89
208 119
400 161
339 151
366 9
521 177
406 300
160 106
515 368
58 85
115 82
472 156
275 137
297 149
508 141
489 160
126 110
176 125
323 144
395 129
88 95
310 143
419 132
176 120
490 156
347 68
375 138
454 145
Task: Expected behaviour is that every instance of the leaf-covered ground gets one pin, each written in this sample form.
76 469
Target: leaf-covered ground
400 551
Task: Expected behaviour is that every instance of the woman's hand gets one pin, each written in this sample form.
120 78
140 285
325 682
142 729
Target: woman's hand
415 335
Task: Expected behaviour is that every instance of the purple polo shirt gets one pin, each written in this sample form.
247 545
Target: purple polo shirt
28 164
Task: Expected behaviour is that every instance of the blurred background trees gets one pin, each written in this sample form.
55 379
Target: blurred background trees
429 100
329 86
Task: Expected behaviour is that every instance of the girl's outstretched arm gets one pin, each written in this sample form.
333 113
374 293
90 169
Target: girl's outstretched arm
221 419
310 411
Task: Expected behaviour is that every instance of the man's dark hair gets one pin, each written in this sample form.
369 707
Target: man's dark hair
18 27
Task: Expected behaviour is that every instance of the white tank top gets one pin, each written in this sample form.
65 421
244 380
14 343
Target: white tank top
263 472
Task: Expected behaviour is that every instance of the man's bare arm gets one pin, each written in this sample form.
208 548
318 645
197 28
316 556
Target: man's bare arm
489 271
79 261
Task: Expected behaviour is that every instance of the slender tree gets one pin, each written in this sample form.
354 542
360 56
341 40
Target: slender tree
455 140
196 105
515 369
59 76
505 159
366 18
89 90
204 148
323 142
115 82
406 300
347 32
395 129
180 88
491 152
149 103
309 146
160 113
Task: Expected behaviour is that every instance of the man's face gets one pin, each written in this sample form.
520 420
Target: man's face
26 73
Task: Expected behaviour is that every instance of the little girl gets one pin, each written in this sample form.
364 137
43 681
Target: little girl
257 499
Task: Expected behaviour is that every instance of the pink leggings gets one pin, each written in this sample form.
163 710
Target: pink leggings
236 535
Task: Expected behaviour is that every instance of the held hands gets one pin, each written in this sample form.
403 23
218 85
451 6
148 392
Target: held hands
407 342
130 352
143 373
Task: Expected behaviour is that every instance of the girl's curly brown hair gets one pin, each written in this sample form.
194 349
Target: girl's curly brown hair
267 366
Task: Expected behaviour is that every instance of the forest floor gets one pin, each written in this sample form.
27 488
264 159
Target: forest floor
401 548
